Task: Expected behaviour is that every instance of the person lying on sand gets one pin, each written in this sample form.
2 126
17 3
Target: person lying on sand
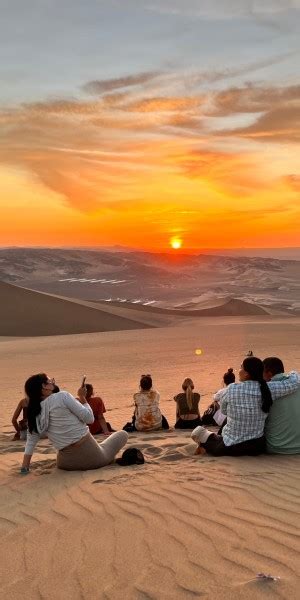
246 405
20 426
187 406
213 415
282 429
65 421
96 403
147 415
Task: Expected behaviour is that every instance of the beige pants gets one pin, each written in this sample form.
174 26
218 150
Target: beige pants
88 454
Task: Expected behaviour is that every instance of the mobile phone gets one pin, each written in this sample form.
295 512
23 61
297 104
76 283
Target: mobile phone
83 381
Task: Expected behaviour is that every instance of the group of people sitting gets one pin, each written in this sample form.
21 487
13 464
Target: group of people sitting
260 413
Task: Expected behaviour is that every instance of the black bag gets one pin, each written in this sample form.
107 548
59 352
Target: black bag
130 426
208 416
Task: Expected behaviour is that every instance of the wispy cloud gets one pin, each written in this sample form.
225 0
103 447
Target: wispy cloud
107 85
253 99
278 125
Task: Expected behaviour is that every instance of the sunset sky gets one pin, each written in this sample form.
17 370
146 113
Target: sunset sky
132 122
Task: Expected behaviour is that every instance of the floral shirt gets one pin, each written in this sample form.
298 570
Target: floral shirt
147 413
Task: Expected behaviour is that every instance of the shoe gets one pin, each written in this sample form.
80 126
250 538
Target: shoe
200 435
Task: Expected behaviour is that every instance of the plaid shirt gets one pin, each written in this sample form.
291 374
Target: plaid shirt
241 404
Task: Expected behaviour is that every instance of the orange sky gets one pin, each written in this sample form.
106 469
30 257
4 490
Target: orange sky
208 199
202 144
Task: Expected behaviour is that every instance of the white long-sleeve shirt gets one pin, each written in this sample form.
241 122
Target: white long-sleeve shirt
63 418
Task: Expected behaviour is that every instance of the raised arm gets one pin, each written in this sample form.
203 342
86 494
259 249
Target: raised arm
284 387
81 409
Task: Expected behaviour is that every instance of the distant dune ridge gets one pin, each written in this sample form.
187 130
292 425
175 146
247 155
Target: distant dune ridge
167 280
28 313
232 307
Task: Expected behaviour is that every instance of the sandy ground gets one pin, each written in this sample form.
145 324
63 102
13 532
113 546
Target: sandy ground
180 526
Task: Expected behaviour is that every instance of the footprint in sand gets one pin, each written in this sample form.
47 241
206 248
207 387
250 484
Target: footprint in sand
171 457
44 467
174 445
153 450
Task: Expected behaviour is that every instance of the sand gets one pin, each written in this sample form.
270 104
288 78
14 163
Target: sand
29 313
180 526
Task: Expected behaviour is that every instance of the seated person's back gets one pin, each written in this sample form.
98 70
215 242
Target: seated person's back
96 403
147 413
187 406
282 428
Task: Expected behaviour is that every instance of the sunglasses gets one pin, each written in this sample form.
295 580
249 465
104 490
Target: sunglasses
52 381
147 375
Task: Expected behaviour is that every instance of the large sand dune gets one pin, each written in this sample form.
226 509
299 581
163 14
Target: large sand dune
28 313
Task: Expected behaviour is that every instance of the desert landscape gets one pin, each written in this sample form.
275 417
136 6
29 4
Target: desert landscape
149 224
179 526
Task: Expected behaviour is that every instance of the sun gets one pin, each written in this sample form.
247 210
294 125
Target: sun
175 243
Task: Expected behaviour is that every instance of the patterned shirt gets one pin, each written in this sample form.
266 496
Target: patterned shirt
241 403
147 413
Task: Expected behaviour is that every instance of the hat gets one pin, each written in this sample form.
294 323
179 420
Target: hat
131 456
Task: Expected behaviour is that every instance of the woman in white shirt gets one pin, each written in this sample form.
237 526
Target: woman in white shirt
65 421
213 414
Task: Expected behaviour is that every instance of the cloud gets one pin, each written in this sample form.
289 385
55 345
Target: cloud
107 85
278 125
97 152
253 99
164 104
293 181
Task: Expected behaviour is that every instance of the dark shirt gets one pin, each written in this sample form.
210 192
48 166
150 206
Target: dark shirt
183 408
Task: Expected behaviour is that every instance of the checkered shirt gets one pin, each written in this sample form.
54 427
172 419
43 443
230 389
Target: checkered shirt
241 404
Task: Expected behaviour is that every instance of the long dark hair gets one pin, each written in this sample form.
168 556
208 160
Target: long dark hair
255 367
33 390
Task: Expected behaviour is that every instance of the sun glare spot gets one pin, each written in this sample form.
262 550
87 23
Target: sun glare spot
175 243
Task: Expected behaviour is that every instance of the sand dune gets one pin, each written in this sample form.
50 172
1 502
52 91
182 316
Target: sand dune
219 308
181 526
219 522
28 313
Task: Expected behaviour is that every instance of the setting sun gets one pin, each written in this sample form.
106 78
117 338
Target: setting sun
176 243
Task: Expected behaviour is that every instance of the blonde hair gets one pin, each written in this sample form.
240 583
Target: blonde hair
188 387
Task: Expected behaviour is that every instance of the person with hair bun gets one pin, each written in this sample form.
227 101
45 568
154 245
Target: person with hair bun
187 406
213 414
246 405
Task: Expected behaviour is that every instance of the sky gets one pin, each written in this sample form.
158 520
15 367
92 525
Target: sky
139 122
